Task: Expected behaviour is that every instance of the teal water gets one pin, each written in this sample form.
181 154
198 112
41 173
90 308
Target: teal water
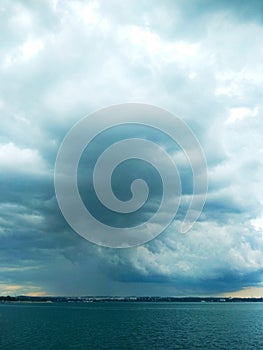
131 326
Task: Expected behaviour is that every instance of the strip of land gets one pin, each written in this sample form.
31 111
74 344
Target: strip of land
89 299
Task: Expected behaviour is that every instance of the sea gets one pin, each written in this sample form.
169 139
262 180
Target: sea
131 325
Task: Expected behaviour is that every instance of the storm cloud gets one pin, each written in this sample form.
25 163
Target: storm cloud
201 60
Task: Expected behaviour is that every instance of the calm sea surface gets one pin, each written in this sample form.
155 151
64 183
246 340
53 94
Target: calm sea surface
131 326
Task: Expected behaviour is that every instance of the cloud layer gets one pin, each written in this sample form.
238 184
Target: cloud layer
201 60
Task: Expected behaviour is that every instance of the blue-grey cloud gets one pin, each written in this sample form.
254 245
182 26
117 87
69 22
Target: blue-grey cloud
201 60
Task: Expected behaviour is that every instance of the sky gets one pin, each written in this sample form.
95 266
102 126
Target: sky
202 60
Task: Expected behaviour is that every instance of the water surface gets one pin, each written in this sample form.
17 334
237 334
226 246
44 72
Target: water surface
131 325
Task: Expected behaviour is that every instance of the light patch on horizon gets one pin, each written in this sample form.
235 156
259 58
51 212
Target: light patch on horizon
253 292
17 289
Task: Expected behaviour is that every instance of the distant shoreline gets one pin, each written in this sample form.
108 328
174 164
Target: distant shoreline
92 299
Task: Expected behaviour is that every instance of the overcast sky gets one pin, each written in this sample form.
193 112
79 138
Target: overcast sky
202 61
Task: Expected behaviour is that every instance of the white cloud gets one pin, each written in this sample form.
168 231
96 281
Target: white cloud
149 47
207 253
20 160
30 48
25 52
240 113
258 223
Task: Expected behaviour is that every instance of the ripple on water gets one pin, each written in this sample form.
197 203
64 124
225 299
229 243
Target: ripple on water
131 326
